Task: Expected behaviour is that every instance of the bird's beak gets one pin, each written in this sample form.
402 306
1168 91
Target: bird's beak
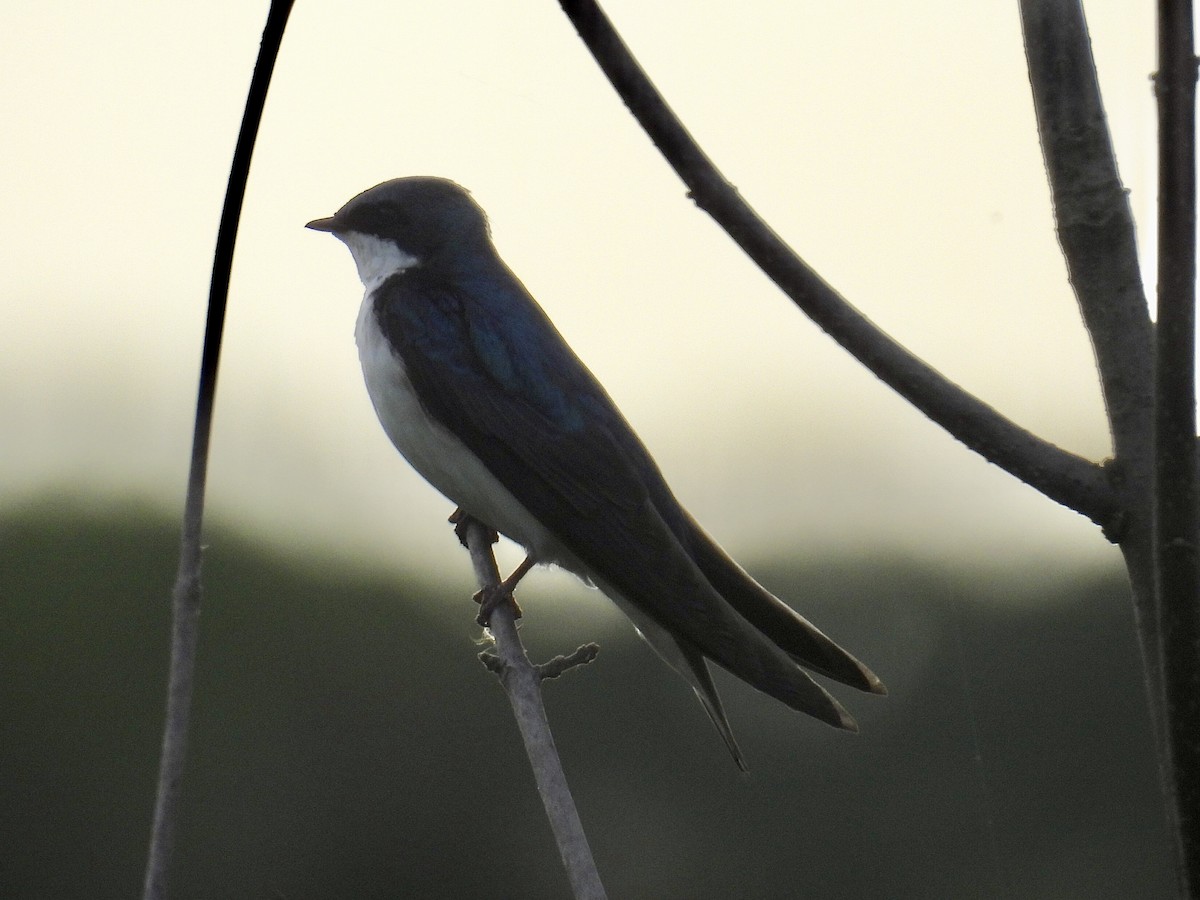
329 224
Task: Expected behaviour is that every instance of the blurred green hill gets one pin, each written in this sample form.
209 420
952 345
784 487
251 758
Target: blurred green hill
347 744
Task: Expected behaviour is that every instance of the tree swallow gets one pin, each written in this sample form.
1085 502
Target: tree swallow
481 394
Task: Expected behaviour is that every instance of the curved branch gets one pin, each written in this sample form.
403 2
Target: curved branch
1062 476
185 596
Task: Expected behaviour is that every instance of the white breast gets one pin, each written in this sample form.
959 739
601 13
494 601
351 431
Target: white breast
440 457
377 260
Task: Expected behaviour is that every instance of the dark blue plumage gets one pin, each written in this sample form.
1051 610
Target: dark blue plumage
478 390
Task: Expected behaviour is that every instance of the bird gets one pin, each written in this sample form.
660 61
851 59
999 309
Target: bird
482 395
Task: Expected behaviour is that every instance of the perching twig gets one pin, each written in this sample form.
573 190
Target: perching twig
522 683
185 597
1062 476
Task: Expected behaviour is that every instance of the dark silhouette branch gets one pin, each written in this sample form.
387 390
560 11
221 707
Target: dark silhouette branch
1091 209
522 683
1136 362
1175 513
1063 476
185 597
1096 233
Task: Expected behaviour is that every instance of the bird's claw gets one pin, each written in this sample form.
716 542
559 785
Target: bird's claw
491 598
461 519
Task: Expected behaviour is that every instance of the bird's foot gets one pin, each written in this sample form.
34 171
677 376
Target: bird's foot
492 598
460 519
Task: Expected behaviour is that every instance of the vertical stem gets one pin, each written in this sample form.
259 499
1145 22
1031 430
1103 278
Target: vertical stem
185 597
1096 232
1175 511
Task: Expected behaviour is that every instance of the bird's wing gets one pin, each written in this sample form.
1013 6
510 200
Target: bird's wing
789 630
505 383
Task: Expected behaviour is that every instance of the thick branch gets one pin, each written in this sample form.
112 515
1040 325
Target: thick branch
1175 492
1096 233
1092 213
522 684
185 598
1064 477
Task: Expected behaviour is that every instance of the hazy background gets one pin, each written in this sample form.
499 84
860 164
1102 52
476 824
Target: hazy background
893 145
344 745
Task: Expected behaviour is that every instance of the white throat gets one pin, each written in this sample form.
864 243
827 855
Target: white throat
377 260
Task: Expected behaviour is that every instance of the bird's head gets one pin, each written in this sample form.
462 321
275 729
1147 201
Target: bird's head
406 222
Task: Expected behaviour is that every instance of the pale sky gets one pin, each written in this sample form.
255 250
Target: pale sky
893 145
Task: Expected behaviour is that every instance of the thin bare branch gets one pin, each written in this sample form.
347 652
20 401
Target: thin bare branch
558 666
1063 476
185 598
1175 491
551 668
522 683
